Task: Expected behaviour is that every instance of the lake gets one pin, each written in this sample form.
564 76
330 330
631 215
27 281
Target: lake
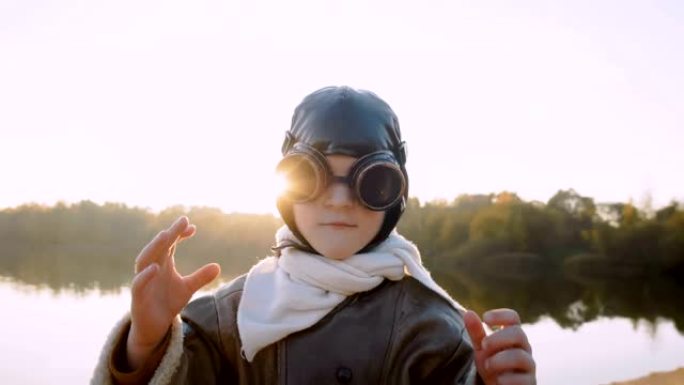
53 336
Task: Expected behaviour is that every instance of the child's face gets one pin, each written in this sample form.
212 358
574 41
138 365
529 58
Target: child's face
336 224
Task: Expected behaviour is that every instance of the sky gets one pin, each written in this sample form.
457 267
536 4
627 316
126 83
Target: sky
162 103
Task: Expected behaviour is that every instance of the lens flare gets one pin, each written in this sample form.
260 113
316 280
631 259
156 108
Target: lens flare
281 183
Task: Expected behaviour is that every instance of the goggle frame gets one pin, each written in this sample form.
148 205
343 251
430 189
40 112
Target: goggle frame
354 179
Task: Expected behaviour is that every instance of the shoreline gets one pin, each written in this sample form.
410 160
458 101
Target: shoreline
672 377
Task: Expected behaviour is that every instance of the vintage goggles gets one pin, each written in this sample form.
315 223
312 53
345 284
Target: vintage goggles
376 179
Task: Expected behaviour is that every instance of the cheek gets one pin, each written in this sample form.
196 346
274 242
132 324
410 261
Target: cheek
304 217
373 222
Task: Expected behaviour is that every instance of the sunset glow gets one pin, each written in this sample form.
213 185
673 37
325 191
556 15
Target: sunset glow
163 103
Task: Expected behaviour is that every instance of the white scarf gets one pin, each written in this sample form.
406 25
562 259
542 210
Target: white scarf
286 294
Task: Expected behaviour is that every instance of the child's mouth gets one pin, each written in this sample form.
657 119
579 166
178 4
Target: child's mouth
338 225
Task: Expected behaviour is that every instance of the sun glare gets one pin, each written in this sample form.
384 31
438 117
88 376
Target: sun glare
280 184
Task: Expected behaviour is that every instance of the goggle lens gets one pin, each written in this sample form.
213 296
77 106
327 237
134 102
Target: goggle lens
301 178
377 184
380 186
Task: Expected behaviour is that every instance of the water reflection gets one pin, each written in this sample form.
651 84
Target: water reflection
535 291
571 300
68 346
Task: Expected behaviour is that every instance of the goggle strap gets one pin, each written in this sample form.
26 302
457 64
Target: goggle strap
287 143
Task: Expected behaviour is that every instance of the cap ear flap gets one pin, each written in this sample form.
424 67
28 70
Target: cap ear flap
392 216
287 215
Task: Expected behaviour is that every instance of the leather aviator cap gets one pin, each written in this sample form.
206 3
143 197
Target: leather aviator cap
345 121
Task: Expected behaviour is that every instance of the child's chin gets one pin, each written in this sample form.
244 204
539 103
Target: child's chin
337 253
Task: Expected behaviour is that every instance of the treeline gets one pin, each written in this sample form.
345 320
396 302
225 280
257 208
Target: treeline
570 231
569 258
89 245
86 245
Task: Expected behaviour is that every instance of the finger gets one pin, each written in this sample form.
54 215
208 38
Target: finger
141 280
188 232
507 338
160 244
475 329
516 379
501 317
146 255
177 228
169 260
510 360
202 276
176 231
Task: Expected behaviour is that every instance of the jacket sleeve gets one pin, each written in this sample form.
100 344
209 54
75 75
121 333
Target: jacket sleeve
192 354
429 345
118 364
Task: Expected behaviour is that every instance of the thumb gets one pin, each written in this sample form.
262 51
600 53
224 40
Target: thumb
475 328
202 276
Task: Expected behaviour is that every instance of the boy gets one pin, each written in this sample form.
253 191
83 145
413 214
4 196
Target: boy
344 300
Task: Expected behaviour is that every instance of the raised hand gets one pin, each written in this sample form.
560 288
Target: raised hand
159 292
505 356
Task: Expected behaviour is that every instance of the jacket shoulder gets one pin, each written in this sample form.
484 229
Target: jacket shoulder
215 315
429 342
204 314
199 307
231 288
417 298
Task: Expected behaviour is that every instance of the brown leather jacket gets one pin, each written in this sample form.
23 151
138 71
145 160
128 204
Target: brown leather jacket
398 333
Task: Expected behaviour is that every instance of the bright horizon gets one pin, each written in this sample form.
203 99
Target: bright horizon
168 103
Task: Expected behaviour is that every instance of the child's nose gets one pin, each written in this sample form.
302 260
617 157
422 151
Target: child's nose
339 195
